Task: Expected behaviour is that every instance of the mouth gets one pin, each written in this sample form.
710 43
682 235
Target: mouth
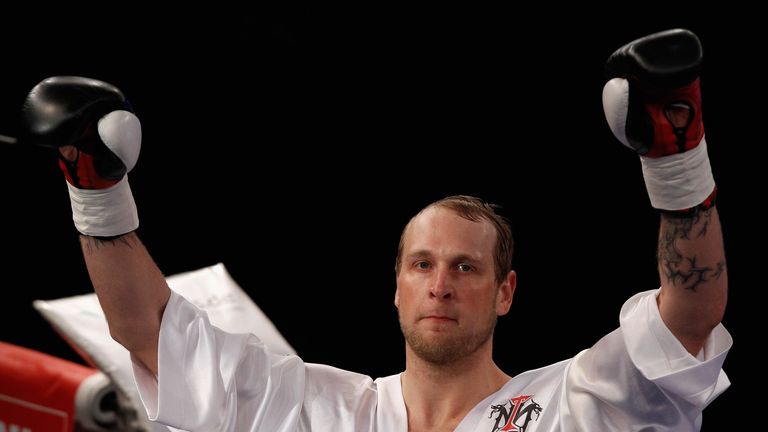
438 318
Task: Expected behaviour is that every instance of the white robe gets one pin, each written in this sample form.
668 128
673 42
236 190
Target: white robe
638 377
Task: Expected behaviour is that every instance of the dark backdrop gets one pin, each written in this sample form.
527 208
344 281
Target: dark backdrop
292 144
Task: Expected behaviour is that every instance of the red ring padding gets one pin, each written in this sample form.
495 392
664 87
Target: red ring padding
37 390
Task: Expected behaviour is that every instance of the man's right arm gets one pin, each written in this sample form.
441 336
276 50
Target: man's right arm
98 139
193 380
132 292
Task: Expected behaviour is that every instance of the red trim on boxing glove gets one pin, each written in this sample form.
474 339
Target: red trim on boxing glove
675 115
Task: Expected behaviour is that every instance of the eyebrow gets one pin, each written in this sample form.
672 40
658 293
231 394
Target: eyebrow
418 254
427 254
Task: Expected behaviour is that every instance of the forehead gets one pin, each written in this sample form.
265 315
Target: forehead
439 229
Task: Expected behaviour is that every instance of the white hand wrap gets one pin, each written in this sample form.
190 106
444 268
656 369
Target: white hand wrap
104 212
679 181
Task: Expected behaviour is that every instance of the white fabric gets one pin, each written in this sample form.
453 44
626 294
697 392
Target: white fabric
639 377
121 132
80 320
104 212
679 181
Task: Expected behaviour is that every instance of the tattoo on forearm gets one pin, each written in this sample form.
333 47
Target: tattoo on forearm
91 244
684 270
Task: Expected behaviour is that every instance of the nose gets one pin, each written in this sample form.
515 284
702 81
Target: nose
442 287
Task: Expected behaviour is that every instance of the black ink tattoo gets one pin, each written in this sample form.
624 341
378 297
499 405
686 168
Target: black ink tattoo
684 270
91 244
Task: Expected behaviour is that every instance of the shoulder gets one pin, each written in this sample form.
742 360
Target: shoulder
336 398
552 372
324 377
541 382
389 381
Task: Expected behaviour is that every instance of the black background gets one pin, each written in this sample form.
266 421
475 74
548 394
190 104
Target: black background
294 143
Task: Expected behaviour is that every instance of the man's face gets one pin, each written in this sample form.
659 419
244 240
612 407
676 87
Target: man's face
447 296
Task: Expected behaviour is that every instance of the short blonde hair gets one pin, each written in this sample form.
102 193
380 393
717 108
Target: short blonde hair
474 209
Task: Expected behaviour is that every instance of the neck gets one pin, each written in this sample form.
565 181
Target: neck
441 395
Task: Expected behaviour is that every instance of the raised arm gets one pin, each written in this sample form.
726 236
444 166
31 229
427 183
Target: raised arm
694 283
653 105
131 290
99 137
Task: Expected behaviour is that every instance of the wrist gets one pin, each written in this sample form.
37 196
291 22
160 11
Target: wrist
104 212
680 181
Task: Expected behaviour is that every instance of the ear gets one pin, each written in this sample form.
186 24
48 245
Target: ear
506 291
397 298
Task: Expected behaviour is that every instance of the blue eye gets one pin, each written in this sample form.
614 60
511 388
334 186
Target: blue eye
422 265
465 268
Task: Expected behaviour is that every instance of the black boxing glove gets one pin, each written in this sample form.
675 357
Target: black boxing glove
99 139
652 103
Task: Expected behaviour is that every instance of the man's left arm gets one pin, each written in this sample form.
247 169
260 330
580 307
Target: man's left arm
694 282
653 106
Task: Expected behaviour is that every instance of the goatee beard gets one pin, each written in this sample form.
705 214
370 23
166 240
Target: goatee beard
449 349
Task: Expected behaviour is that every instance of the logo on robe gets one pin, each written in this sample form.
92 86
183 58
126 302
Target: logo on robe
515 414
